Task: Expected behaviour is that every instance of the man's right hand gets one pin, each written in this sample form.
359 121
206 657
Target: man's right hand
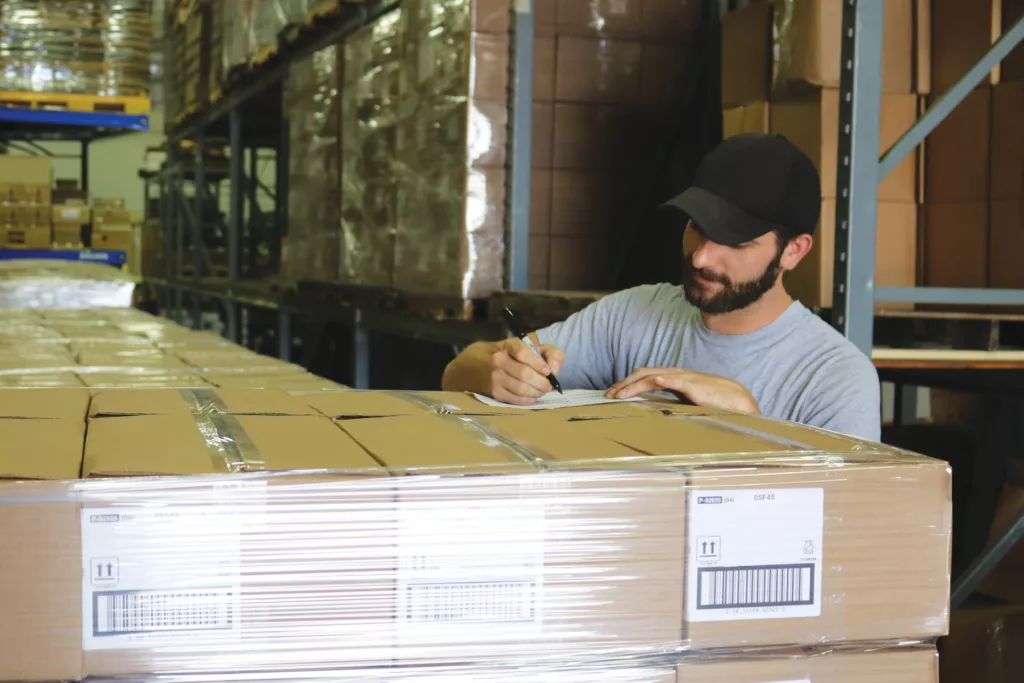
519 376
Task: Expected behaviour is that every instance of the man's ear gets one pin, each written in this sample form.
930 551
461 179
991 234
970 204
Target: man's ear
795 251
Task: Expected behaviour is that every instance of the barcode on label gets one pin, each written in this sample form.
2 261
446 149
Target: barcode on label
780 585
505 601
117 613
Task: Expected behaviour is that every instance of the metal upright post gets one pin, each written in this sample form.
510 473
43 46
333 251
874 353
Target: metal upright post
85 166
236 210
860 102
199 181
360 353
517 247
284 336
281 190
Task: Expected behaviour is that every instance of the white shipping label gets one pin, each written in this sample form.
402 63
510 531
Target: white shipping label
474 566
160 575
754 553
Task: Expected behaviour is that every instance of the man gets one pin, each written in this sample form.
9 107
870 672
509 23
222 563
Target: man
731 336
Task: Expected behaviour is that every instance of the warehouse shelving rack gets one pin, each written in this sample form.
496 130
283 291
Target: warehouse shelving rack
855 293
248 116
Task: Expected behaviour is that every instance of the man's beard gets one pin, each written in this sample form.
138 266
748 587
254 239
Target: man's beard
731 297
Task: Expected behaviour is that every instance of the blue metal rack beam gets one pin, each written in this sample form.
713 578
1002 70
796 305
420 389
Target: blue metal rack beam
108 256
63 117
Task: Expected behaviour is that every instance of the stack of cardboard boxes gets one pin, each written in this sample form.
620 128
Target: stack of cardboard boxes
25 201
182 532
780 74
111 224
974 181
71 214
417 141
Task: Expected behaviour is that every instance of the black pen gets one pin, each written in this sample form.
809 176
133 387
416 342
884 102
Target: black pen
518 331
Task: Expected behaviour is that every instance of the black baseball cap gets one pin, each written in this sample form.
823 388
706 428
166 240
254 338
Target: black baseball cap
749 185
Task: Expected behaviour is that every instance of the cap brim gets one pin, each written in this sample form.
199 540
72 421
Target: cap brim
720 221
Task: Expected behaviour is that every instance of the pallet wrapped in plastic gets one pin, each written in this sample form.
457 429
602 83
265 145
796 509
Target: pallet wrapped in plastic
311 102
89 47
251 28
52 284
199 531
126 348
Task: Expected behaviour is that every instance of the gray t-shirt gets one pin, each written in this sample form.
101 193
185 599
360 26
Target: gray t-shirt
798 367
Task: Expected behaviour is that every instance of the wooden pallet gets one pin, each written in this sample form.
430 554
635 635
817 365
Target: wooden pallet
70 102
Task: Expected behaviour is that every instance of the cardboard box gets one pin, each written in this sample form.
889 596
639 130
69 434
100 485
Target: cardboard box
671 20
600 18
1012 67
585 203
812 124
108 202
112 236
597 71
1006 242
984 645
962 32
77 214
747 54
1007 146
958 152
102 216
581 263
808 46
540 262
67 234
31 237
26 170
956 244
895 254
372 553
885 665
543 135
594 137
543 69
540 203
751 118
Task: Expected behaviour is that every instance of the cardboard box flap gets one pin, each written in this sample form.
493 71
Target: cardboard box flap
425 442
41 449
148 444
117 402
69 404
554 440
354 404
300 443
679 436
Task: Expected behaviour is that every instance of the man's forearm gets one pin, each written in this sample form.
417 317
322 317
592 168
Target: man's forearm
471 369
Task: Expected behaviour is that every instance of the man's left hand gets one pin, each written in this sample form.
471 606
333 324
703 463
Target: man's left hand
703 390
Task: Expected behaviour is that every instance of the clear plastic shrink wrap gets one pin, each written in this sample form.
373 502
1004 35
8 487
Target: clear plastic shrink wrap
892 663
90 47
127 348
53 284
222 530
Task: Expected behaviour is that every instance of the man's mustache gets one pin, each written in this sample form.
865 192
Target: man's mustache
708 275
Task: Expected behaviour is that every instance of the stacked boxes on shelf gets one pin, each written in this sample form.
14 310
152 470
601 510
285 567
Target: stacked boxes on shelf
71 213
419 105
780 74
25 197
601 542
111 224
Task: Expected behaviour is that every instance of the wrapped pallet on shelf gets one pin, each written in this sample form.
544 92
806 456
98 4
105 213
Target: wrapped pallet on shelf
76 47
430 529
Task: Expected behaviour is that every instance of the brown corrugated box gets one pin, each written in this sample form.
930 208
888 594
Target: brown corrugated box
27 237
962 32
885 521
747 54
750 118
77 214
812 124
808 48
895 253
112 236
892 665
596 70
958 152
984 645
956 244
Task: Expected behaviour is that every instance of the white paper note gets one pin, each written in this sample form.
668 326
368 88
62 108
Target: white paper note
572 398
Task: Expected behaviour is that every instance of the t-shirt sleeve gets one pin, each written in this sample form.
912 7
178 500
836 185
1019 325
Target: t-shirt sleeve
591 339
847 399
